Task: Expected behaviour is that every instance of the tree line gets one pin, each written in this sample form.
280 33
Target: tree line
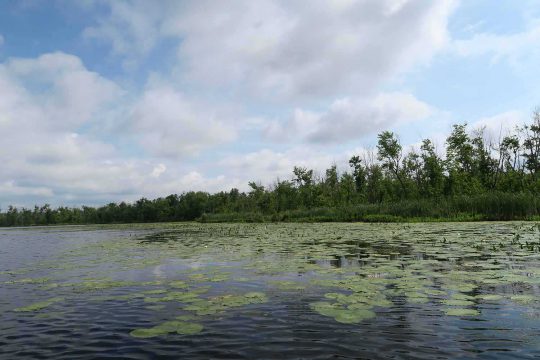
473 177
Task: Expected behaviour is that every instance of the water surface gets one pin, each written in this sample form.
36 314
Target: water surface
402 291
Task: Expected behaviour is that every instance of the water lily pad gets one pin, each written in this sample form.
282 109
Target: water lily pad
179 327
178 284
353 316
489 297
155 292
461 312
147 333
523 299
39 305
189 328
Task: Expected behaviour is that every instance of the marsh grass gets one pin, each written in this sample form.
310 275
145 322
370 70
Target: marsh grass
484 207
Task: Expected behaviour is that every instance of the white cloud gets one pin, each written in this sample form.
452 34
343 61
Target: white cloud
267 165
132 28
158 170
515 47
499 125
350 118
169 124
11 188
43 103
283 49
61 126
53 91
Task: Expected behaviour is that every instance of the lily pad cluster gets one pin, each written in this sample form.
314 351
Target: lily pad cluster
354 269
174 326
39 305
221 303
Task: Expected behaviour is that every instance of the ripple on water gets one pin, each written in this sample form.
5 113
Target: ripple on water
247 291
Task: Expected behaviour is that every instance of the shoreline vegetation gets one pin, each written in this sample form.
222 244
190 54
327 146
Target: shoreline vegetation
476 179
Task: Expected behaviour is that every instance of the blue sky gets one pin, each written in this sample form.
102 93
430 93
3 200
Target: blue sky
114 100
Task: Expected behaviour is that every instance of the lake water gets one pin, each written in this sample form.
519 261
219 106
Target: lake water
175 291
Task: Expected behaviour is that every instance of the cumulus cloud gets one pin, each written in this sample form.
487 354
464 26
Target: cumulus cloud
268 165
168 124
350 118
515 47
284 49
11 188
54 147
294 51
43 103
499 125
53 91
158 170
132 29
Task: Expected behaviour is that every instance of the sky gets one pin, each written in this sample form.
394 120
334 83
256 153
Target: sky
104 101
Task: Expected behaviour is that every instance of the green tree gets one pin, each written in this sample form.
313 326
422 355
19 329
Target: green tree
531 145
390 152
432 170
359 173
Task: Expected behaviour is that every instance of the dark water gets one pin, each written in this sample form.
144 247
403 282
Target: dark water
432 291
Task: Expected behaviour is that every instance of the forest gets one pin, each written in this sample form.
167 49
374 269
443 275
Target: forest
473 178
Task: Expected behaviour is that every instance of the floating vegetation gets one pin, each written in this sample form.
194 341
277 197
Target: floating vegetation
155 292
524 299
97 285
287 285
489 297
178 284
221 303
350 269
461 312
343 315
39 305
178 327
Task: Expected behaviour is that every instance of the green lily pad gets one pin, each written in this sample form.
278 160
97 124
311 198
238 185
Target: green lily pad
354 316
155 292
39 305
147 333
523 299
461 312
189 328
178 284
179 327
490 297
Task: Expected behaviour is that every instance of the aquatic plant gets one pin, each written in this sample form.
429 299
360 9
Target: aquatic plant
178 327
39 305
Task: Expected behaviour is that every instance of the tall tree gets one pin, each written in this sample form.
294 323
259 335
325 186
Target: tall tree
359 173
432 170
390 152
